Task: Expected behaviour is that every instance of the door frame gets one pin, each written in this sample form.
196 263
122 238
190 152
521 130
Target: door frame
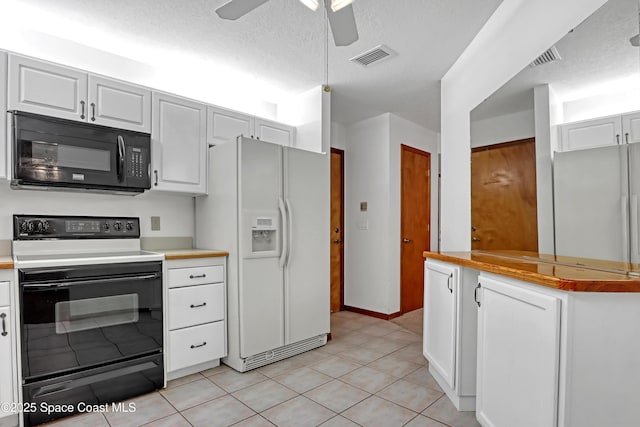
428 156
340 152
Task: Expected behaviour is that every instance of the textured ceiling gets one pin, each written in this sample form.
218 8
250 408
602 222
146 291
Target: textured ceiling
595 53
281 45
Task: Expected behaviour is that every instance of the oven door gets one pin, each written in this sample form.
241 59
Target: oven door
80 317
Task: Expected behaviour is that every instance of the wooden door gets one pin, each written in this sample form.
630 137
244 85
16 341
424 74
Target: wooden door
337 225
504 204
415 216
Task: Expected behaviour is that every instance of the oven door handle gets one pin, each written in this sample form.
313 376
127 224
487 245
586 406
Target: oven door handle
95 281
80 382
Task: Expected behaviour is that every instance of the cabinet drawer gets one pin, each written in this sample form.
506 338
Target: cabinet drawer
199 344
195 276
195 305
5 294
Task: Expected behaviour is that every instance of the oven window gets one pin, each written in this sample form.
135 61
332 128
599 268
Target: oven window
92 313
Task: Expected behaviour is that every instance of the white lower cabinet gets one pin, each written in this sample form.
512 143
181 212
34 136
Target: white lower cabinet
450 330
196 299
8 383
518 354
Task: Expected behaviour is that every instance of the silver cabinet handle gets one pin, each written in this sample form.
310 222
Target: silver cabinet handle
156 174
198 305
197 276
93 112
449 283
617 138
626 137
82 109
199 345
4 324
475 294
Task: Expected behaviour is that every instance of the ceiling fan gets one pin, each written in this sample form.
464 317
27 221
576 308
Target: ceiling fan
339 13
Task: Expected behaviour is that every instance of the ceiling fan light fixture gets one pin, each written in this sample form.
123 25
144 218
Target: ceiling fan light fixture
311 4
336 5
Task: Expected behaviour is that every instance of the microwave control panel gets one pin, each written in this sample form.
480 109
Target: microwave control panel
35 227
137 163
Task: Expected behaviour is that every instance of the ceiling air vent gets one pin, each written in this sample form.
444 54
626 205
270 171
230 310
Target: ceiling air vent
549 56
375 55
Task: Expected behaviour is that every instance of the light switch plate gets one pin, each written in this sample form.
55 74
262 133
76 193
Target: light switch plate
155 223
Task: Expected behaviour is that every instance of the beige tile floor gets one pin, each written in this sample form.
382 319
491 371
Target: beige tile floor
372 373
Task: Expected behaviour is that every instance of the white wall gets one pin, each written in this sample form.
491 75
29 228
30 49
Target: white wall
544 169
176 212
602 105
502 48
505 128
372 175
338 135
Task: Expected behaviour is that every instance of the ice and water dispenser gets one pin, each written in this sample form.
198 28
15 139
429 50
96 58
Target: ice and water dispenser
262 238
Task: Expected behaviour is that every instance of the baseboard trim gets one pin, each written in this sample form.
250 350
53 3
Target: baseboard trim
372 313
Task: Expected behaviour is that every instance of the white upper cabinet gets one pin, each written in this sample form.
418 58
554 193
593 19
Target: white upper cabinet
179 145
224 125
53 90
591 133
277 133
4 142
116 104
631 127
612 130
43 88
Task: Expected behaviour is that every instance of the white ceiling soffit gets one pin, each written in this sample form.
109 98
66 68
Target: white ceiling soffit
280 45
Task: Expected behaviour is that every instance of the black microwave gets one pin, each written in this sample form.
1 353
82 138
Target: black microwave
51 153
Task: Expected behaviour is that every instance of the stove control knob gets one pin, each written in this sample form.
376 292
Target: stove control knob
24 226
117 225
29 226
45 225
106 226
129 226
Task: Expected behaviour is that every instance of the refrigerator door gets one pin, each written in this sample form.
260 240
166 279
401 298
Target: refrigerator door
634 201
261 294
591 203
307 264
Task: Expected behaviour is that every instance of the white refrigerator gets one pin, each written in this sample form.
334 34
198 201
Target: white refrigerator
268 206
597 203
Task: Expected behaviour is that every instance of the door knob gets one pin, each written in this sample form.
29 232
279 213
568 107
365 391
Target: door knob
405 240
475 239
337 241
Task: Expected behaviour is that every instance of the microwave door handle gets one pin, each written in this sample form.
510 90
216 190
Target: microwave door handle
121 154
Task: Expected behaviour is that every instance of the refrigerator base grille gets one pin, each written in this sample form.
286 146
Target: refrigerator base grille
284 352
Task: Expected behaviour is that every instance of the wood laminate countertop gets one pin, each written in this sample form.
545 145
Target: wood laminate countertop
6 262
173 254
564 273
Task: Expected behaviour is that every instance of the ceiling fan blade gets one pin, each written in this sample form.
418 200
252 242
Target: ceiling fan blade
234 9
343 25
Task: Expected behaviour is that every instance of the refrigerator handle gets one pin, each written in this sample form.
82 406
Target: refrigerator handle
625 229
290 231
285 239
634 228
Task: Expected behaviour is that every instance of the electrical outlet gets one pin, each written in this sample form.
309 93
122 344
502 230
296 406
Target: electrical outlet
155 223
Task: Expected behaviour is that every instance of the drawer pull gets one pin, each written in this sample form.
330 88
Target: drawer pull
198 305
197 276
199 345
4 325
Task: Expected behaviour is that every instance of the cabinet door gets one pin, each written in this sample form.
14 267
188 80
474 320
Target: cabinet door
518 354
43 88
591 133
224 125
179 145
6 363
116 104
631 127
277 133
4 141
440 326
